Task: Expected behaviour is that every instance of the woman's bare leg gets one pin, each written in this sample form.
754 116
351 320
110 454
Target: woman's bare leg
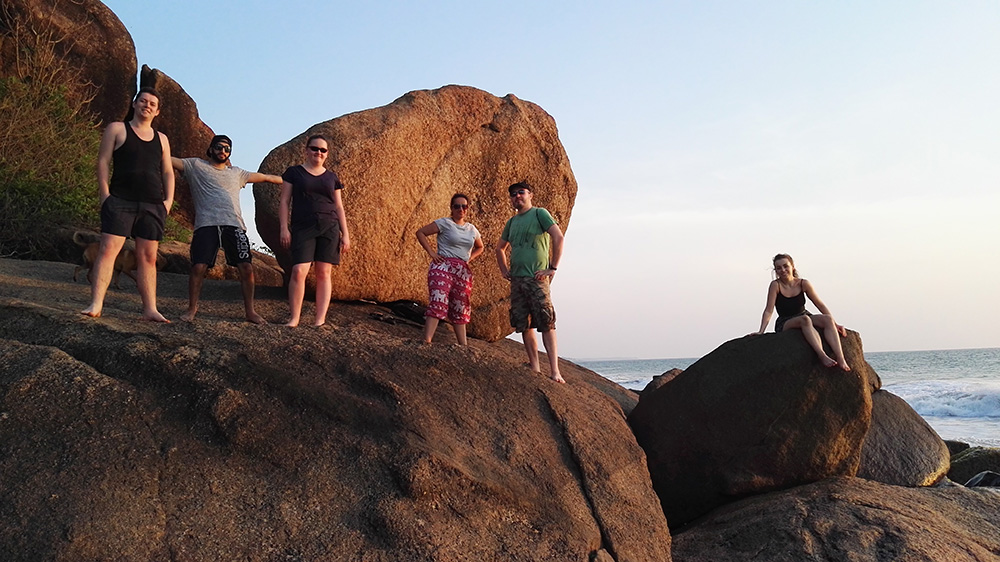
324 290
297 292
460 334
804 323
430 326
826 323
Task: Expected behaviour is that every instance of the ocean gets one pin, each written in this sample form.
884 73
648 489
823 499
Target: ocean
956 390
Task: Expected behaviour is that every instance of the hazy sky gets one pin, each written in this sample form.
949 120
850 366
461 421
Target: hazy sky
861 138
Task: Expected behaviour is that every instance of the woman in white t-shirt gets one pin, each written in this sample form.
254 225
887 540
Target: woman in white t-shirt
449 279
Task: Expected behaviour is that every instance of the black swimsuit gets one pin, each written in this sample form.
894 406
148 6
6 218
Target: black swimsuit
789 307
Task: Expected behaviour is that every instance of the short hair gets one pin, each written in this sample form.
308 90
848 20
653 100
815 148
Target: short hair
147 90
519 185
314 137
462 195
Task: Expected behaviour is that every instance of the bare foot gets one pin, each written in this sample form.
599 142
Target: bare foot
256 318
827 361
155 317
291 323
558 378
844 366
89 311
189 315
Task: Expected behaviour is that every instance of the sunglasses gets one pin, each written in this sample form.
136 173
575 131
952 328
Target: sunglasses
319 149
518 192
225 147
458 206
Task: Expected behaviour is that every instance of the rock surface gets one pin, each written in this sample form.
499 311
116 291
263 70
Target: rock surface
402 162
91 39
755 415
189 136
849 519
972 461
222 440
901 447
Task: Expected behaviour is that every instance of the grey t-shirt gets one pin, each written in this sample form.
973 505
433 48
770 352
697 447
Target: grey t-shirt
215 192
455 240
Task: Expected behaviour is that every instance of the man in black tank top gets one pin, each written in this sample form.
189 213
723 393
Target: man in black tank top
134 202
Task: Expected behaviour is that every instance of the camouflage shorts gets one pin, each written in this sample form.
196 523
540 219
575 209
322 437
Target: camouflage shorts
531 305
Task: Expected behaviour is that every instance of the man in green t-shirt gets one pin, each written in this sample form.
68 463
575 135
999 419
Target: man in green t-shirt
527 234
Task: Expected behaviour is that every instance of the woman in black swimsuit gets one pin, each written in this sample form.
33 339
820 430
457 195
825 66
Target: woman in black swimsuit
788 294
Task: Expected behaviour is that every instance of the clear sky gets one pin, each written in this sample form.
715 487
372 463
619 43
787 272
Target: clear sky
863 138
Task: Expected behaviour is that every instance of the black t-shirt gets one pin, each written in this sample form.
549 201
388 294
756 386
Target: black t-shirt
312 196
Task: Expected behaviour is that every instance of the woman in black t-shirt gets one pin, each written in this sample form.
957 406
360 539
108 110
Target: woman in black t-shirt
788 294
318 232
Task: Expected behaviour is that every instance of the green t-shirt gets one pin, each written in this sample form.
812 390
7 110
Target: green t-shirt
529 241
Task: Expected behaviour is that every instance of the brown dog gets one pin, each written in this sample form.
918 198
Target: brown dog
124 263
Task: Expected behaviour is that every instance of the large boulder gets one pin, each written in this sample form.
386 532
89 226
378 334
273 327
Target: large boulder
849 519
189 136
222 440
755 415
402 162
901 447
89 39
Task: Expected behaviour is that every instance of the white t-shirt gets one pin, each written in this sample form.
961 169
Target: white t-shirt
455 240
215 192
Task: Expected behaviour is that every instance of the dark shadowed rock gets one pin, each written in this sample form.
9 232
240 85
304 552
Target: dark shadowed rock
955 446
223 440
658 381
986 478
90 38
755 415
189 136
402 162
900 447
972 461
849 519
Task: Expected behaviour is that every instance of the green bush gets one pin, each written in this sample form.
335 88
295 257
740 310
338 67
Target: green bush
48 152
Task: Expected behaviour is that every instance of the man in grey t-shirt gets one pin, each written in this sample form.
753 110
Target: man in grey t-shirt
215 189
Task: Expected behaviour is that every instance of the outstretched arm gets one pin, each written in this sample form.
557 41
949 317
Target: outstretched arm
177 163
264 178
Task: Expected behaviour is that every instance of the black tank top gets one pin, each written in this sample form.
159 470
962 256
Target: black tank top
138 168
790 306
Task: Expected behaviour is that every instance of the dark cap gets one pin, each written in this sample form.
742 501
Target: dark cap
519 185
218 138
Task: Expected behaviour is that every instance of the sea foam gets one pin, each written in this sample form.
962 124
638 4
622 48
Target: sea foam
954 398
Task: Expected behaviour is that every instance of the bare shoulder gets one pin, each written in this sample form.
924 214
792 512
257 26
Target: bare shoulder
114 129
806 285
